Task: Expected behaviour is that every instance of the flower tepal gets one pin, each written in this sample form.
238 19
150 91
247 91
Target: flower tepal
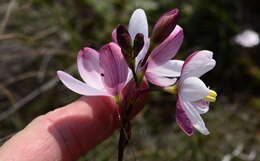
154 60
192 91
193 96
104 73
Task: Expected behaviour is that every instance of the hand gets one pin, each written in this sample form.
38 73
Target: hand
64 134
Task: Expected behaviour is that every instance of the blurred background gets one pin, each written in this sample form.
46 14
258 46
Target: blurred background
39 37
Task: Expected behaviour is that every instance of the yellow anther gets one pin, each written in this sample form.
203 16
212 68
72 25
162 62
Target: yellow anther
210 98
117 99
171 89
212 93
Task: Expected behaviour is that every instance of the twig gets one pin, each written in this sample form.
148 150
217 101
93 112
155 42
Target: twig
9 10
238 152
44 33
23 76
7 93
16 120
6 57
9 36
43 67
50 84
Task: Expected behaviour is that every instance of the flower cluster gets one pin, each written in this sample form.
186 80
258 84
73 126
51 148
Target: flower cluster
135 56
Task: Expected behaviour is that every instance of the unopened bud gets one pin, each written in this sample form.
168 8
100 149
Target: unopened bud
138 44
124 39
164 26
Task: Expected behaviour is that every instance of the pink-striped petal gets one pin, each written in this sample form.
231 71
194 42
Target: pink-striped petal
202 106
78 86
182 119
129 76
194 116
167 49
89 68
138 24
114 69
171 68
159 80
114 38
197 64
165 74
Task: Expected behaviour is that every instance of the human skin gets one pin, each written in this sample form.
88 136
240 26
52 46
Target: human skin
65 133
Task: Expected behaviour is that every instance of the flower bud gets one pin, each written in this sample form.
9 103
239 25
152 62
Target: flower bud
164 26
124 39
138 44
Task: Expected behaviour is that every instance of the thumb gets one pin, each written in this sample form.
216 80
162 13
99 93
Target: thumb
64 134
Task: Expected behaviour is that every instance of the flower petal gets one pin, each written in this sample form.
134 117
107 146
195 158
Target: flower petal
182 119
114 69
167 49
202 106
164 26
129 76
171 68
198 63
142 53
194 116
88 67
138 24
114 38
78 86
157 79
193 89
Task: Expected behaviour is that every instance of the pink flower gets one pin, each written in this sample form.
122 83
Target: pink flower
104 72
193 95
161 70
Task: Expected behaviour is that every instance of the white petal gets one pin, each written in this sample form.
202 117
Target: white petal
202 106
194 117
78 86
138 24
193 89
198 64
142 53
129 76
89 68
171 68
158 80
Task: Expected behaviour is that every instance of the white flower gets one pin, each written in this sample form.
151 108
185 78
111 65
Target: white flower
193 95
248 38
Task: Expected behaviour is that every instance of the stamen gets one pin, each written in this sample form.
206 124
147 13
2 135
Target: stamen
212 93
210 98
117 99
171 89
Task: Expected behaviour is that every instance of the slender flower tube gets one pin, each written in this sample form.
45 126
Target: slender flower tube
159 68
193 96
104 72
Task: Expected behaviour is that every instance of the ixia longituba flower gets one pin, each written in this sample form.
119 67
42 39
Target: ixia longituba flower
160 69
193 96
104 73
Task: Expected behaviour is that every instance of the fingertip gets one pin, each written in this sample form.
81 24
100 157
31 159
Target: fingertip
65 133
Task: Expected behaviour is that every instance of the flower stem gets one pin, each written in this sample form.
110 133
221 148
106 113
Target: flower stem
126 107
154 89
